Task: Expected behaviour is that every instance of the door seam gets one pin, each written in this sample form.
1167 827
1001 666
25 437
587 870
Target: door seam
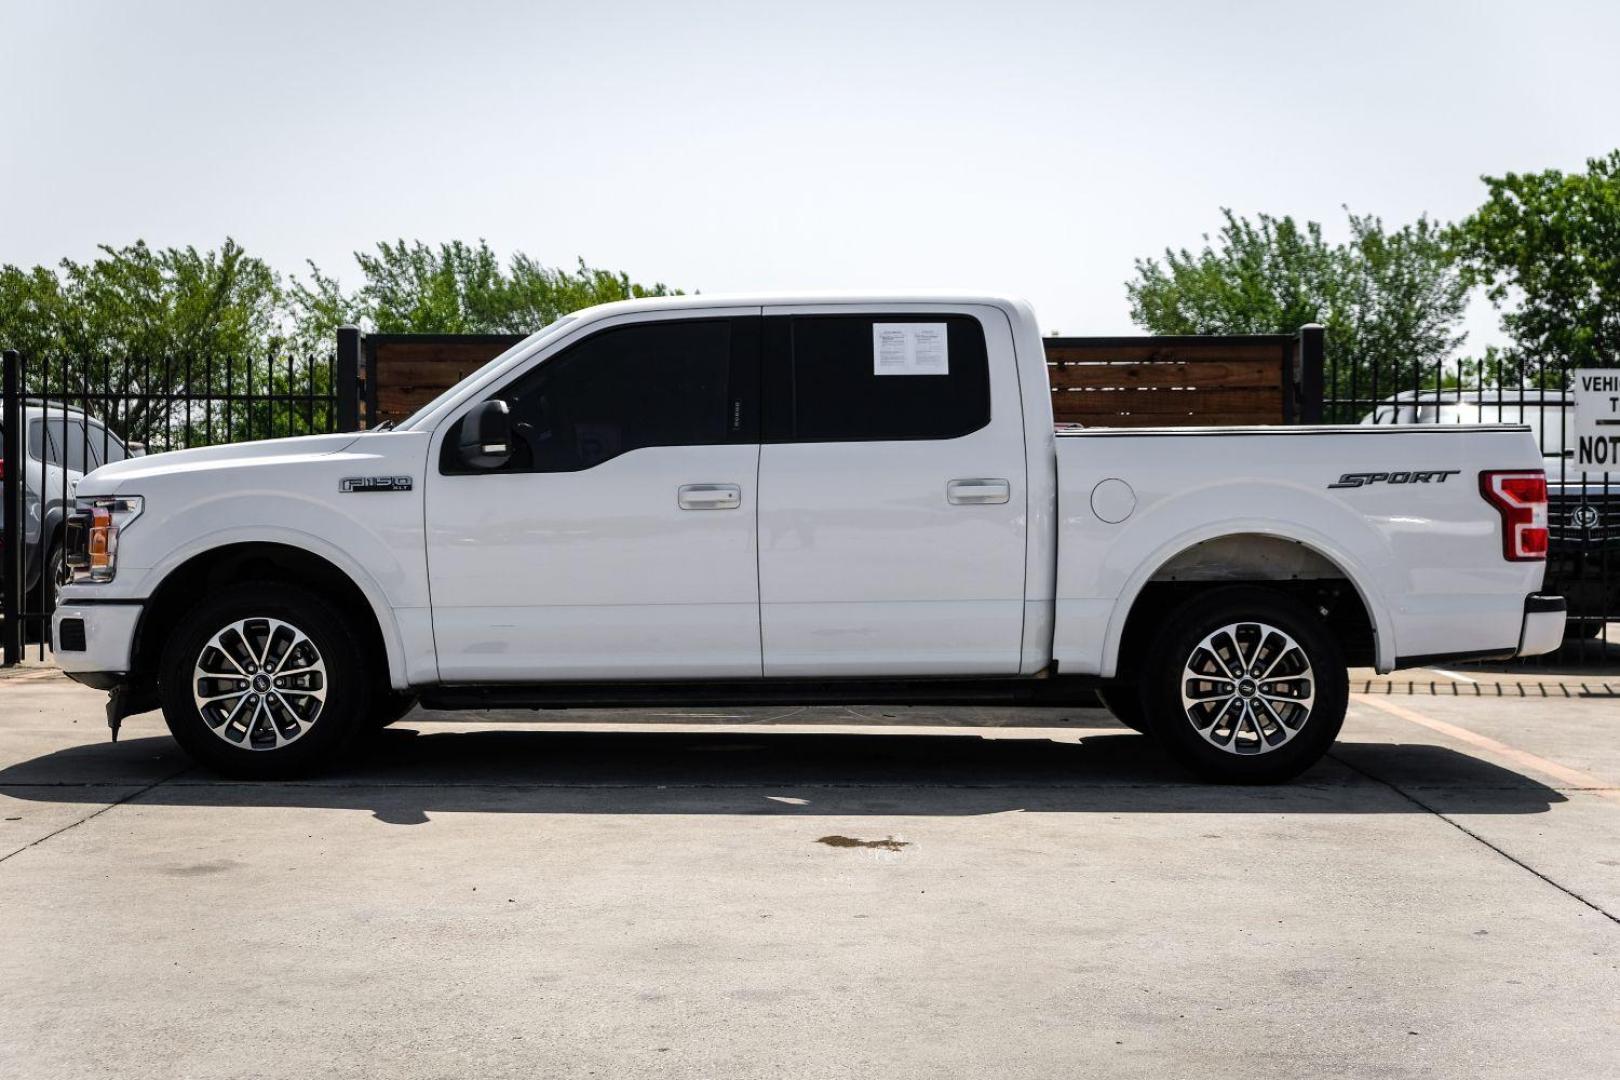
759 593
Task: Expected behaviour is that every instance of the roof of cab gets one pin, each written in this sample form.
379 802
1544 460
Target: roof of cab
797 299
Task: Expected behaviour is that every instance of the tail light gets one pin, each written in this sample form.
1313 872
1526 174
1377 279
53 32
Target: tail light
1521 499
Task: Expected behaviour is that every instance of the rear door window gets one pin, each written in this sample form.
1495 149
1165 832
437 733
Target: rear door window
66 440
836 378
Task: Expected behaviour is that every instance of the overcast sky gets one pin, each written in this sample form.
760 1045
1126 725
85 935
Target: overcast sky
1031 148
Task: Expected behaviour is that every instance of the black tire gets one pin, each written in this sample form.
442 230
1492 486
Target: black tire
1289 749
390 707
321 743
41 596
1124 701
1583 629
53 575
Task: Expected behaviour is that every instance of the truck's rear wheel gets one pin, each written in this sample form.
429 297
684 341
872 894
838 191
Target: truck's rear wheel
263 681
1245 686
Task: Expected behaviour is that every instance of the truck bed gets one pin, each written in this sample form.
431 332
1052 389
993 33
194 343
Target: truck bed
1396 511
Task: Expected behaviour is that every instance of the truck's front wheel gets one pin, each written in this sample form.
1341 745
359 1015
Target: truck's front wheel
265 680
1247 686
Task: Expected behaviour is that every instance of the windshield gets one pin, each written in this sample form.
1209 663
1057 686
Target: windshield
524 345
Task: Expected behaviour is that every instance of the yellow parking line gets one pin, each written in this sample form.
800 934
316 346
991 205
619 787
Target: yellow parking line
1562 773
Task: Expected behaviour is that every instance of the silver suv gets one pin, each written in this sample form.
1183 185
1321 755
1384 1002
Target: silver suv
60 447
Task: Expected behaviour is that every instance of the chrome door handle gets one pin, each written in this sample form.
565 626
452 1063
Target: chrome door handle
981 491
710 496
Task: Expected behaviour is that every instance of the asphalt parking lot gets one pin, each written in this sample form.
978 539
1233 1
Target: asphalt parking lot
815 893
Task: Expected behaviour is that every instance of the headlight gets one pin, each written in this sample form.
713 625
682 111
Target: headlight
91 547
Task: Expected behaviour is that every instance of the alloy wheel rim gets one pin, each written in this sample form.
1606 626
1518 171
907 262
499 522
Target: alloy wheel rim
1248 688
259 683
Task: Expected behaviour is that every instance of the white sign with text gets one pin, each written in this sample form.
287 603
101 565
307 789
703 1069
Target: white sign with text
1596 430
910 349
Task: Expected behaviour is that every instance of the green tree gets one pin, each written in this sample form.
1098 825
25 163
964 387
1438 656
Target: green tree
1391 301
454 288
140 325
1547 248
31 311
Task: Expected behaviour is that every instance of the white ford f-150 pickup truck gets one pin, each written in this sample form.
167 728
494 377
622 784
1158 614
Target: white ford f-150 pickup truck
707 500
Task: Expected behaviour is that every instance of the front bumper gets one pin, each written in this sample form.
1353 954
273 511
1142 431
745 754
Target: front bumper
108 636
1543 629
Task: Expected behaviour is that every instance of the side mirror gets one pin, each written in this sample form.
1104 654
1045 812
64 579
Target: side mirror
486 436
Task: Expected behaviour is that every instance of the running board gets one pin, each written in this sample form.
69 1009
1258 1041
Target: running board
1068 690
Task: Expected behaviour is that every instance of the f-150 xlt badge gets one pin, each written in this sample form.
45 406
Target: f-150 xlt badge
1417 476
351 484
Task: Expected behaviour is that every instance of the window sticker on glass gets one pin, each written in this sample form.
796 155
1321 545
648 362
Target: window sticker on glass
910 349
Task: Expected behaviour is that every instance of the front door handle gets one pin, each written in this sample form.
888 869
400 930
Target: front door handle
710 496
980 491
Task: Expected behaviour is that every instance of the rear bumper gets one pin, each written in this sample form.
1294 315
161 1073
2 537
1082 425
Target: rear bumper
1543 630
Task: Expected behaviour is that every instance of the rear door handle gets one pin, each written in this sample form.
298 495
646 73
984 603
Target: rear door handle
710 496
980 491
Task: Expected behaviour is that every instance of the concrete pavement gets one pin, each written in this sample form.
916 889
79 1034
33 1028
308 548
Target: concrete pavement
813 893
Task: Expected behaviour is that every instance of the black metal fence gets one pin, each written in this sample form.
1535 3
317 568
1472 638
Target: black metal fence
1583 562
64 418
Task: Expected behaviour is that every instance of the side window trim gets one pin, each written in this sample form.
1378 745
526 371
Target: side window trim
96 439
77 435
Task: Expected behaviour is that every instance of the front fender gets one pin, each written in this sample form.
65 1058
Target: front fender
344 558
282 494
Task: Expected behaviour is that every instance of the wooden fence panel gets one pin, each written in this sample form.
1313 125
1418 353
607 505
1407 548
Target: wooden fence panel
403 372
1171 382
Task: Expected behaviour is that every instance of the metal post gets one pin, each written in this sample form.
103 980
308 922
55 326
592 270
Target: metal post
348 378
1312 348
11 635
